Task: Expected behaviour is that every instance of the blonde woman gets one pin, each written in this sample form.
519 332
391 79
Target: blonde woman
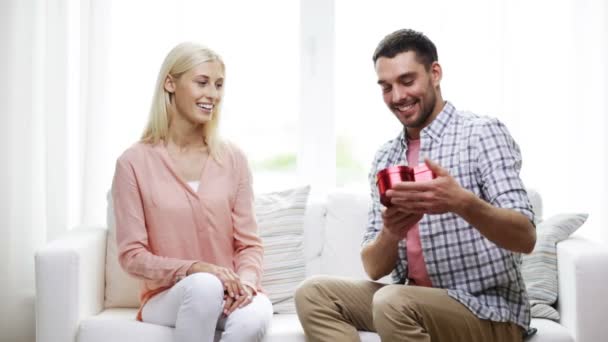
183 203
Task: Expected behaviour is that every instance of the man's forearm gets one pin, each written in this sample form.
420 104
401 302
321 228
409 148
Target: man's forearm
379 257
507 228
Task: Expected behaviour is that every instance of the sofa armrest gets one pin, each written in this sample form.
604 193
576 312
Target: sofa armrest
69 283
583 294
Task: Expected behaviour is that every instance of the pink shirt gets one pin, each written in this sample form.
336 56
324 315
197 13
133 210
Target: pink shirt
417 272
163 226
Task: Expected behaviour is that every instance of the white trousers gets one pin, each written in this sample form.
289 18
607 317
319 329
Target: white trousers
194 307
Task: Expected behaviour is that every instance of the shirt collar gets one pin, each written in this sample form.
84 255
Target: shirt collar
437 127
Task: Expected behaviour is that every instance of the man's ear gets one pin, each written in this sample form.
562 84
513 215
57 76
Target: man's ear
436 73
170 84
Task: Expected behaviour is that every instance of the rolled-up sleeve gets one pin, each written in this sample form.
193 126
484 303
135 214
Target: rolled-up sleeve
499 165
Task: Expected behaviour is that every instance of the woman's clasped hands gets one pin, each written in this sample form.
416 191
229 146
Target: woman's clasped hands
236 294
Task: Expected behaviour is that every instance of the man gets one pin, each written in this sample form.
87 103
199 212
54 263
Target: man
451 243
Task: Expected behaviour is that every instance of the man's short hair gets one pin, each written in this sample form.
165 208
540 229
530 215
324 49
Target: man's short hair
407 40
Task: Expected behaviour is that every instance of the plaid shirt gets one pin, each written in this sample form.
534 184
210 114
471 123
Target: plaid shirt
482 156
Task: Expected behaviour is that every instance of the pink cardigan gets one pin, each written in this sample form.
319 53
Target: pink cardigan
163 226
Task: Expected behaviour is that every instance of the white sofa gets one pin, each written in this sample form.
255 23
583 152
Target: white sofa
70 281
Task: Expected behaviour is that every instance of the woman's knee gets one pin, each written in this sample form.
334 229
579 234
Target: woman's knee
203 286
252 324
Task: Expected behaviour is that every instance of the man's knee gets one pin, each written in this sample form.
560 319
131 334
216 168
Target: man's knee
309 290
398 296
384 300
393 303
309 294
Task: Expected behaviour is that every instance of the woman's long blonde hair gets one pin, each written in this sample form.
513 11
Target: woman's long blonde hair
180 60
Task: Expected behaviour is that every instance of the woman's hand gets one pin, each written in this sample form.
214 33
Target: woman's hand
232 304
230 280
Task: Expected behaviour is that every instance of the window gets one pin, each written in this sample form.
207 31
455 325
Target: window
362 119
259 42
301 95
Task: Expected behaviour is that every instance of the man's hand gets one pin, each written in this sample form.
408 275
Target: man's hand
507 228
440 195
379 256
397 222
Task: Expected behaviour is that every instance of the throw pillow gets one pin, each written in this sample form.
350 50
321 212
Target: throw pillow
122 289
280 217
539 269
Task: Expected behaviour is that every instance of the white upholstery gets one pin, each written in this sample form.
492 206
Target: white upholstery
346 214
583 291
550 331
70 281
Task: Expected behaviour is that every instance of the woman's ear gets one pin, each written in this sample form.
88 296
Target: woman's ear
170 84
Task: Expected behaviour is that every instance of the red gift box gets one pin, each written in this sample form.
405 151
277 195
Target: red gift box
388 177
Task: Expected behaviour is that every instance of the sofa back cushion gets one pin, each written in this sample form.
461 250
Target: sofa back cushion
314 230
345 223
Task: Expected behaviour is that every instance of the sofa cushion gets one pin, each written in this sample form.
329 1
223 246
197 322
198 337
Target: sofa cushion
280 217
288 328
120 325
539 269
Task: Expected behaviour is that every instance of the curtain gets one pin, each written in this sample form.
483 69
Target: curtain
51 62
24 170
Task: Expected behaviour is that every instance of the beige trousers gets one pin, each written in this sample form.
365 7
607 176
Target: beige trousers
333 309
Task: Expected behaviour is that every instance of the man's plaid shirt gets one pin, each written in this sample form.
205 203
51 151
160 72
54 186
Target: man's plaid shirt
482 156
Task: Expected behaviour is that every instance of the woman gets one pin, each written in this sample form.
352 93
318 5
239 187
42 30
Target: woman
183 203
